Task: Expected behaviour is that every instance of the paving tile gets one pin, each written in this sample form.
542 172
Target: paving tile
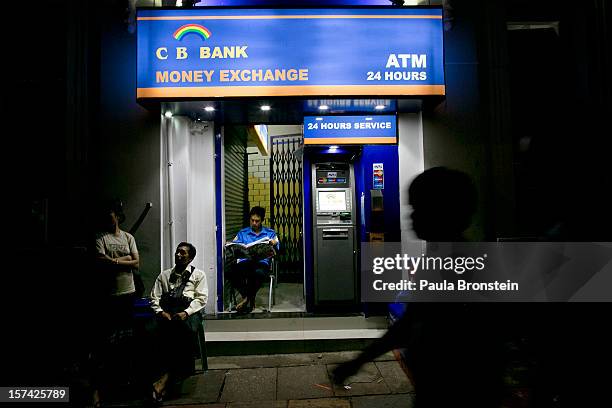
283 360
345 322
217 405
274 360
258 404
388 356
394 376
123 404
384 401
299 382
368 381
201 388
255 384
320 403
337 357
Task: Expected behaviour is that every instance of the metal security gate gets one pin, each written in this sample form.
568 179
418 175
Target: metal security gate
286 205
236 184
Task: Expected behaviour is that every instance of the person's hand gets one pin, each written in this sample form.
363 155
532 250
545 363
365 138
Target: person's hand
165 315
344 371
181 316
274 241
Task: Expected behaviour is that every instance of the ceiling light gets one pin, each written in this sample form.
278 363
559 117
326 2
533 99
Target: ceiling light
265 108
319 118
380 107
323 107
209 109
368 118
168 114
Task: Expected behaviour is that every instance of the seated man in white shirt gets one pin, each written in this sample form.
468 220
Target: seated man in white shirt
178 297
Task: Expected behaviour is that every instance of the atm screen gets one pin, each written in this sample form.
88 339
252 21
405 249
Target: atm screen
332 201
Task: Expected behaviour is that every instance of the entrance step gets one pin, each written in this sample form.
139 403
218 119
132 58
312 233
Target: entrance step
292 333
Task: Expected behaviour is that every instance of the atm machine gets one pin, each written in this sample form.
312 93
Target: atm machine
335 235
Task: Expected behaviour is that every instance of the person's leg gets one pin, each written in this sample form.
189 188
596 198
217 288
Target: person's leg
125 340
105 355
99 335
178 352
184 346
259 274
163 356
246 270
159 387
237 277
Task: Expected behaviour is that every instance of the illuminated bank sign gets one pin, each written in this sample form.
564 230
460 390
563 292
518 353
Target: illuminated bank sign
215 53
326 130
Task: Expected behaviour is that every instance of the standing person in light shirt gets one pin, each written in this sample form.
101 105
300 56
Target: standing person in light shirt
117 259
177 298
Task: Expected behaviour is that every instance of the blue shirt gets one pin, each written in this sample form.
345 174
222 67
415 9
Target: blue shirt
247 235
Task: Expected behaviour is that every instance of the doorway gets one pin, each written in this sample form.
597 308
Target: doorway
266 173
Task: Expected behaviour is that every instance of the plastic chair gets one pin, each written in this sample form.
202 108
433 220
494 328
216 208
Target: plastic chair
273 283
201 337
271 294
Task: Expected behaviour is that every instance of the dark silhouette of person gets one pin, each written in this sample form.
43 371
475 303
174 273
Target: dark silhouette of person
451 353
443 202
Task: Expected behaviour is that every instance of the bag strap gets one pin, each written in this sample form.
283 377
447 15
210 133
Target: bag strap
185 279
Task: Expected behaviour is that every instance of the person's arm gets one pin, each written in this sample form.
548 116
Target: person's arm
122 261
238 237
129 260
101 255
200 296
236 240
105 259
156 294
134 261
275 241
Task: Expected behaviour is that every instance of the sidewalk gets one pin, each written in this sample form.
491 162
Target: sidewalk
291 381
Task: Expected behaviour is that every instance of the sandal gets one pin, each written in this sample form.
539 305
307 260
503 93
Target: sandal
158 397
97 403
246 310
240 307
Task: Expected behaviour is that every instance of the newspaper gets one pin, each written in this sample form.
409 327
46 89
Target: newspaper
257 250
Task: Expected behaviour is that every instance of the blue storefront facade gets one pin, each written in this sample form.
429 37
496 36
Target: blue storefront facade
356 77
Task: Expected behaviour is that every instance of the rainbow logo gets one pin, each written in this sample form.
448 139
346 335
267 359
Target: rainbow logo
192 29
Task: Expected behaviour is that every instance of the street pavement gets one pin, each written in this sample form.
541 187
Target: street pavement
300 380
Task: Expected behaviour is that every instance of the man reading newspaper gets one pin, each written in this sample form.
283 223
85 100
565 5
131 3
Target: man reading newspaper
253 247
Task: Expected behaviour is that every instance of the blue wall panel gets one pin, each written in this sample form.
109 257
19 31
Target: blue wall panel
388 155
